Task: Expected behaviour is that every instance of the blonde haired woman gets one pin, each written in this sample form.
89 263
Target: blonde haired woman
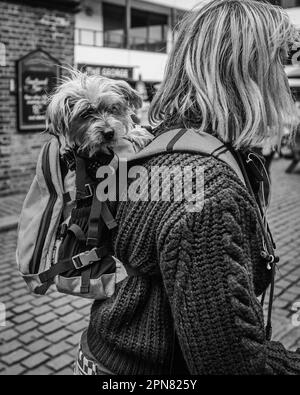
225 77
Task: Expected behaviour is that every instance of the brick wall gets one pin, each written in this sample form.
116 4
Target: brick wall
24 28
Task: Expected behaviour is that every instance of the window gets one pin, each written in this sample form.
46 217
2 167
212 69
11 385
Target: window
286 3
289 3
114 18
148 31
296 93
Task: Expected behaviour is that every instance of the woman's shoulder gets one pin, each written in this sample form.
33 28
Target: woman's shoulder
178 178
214 172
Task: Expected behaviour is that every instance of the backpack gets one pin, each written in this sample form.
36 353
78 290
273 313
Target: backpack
64 235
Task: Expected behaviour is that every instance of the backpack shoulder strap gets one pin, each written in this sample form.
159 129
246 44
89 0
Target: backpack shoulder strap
187 140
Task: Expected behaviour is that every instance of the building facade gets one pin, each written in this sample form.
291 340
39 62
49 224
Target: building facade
130 39
32 32
127 39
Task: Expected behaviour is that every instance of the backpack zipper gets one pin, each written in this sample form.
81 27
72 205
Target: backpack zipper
46 219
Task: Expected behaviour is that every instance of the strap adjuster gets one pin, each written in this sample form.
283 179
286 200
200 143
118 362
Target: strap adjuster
89 191
85 258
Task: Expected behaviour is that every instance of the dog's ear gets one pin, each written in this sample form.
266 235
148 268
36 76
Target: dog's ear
131 95
58 113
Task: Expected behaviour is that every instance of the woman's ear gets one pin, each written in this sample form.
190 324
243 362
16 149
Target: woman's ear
132 96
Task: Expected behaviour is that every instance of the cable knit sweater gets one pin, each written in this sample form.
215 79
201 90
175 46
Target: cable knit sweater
211 276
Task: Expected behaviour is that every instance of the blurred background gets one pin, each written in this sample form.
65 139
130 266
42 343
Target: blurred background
122 39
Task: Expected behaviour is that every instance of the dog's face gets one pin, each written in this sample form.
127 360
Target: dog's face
92 112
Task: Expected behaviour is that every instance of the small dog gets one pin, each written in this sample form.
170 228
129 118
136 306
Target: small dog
95 115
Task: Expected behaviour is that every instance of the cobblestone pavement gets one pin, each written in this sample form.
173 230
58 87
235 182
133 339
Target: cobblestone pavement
284 217
42 333
10 205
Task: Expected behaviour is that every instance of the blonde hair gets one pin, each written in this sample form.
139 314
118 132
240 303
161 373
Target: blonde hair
225 74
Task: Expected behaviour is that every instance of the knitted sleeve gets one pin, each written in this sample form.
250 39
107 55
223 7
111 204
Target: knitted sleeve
205 260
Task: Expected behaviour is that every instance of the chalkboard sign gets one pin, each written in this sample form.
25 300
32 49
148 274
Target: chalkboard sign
37 77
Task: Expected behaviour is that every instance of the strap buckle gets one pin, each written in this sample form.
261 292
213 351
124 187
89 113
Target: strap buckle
85 258
89 191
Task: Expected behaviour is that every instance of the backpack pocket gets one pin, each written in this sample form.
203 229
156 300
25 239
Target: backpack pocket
40 218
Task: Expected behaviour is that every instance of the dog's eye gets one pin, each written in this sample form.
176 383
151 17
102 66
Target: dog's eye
87 113
115 109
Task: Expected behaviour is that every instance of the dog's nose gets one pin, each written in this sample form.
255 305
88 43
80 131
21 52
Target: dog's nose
108 134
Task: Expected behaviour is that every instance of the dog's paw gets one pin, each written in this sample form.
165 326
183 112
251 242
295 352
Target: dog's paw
140 137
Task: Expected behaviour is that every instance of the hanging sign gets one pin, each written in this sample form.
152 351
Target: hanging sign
38 73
